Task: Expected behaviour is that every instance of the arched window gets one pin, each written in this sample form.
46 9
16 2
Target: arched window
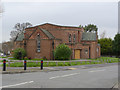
74 38
38 43
69 38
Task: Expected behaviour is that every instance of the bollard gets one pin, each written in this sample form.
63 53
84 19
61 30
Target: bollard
41 64
4 65
25 64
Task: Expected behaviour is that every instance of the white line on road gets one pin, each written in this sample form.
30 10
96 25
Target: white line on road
64 75
54 77
97 70
17 84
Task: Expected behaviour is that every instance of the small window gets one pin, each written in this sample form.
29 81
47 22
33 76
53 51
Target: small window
74 38
86 51
69 37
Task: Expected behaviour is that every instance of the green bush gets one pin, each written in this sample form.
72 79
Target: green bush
19 53
62 52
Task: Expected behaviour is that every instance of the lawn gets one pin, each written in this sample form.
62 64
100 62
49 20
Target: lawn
3 57
105 58
100 60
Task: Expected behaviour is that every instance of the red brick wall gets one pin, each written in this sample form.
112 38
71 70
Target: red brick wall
51 26
45 50
61 33
93 48
46 46
57 31
82 49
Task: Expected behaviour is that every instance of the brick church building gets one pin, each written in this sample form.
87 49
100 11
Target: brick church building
40 41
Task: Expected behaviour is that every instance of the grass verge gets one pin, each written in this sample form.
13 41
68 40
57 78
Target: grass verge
52 64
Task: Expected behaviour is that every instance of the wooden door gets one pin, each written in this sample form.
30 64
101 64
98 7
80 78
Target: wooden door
77 54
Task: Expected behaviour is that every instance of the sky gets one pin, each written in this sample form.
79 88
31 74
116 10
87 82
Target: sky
72 13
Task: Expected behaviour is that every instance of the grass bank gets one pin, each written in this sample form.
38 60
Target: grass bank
70 63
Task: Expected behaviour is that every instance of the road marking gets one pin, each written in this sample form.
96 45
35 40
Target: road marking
17 84
72 68
54 77
64 75
97 70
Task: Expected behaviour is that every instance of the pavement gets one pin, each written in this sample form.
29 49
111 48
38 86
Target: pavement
117 85
84 76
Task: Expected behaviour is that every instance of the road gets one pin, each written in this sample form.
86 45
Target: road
101 77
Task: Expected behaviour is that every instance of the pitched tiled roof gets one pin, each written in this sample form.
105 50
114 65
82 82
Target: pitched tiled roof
89 36
48 33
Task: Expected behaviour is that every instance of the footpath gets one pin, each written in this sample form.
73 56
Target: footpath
116 86
16 70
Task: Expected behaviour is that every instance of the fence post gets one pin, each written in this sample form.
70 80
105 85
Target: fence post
64 63
4 65
80 62
90 62
36 62
56 63
70 63
25 64
8 62
75 62
47 63
41 64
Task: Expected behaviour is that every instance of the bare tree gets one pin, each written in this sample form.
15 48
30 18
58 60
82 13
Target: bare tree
13 35
19 28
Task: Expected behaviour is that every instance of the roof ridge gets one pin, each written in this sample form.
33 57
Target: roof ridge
54 25
58 25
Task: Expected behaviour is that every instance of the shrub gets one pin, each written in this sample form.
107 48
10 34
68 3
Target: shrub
62 52
19 53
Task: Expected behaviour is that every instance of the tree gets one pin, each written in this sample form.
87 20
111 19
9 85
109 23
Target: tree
116 45
13 35
106 46
80 26
90 28
103 34
62 52
19 53
19 28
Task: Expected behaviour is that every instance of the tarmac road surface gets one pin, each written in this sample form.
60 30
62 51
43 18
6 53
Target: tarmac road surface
100 77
